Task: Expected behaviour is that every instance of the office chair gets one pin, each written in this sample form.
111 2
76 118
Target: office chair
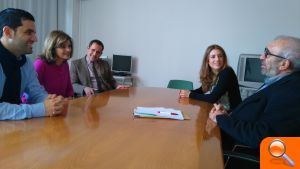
180 84
241 156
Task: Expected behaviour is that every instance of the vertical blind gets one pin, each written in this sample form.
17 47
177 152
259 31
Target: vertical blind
45 14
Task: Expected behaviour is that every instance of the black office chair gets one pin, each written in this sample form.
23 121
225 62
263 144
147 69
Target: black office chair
241 157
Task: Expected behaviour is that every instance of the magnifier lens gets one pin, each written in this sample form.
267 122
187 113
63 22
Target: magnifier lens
277 148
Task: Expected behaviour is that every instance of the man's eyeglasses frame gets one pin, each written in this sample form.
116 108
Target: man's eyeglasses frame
267 52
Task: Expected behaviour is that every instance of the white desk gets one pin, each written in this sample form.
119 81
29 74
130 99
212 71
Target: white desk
124 80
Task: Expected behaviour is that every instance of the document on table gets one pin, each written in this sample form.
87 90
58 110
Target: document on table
158 112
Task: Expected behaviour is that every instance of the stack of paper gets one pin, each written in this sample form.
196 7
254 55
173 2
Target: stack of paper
158 112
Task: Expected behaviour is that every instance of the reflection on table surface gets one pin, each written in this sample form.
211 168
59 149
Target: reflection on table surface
101 132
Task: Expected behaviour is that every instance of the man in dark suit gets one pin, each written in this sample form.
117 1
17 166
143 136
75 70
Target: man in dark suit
274 110
91 74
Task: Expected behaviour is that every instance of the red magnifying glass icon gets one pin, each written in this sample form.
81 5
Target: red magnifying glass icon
277 149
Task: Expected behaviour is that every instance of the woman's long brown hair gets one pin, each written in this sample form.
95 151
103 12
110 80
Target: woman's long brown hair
207 77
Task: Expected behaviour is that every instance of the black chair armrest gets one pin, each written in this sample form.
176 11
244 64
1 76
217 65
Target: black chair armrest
242 156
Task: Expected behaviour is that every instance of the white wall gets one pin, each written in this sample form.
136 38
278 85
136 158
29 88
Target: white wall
168 37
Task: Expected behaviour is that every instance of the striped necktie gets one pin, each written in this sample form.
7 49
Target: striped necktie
96 77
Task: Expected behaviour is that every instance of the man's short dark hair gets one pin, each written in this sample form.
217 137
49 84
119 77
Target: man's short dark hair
98 42
13 18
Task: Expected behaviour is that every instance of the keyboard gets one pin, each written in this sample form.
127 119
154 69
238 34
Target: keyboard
120 74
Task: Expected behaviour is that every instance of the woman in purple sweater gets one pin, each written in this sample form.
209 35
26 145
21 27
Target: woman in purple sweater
52 66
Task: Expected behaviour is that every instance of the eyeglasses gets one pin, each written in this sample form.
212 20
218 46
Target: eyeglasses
267 52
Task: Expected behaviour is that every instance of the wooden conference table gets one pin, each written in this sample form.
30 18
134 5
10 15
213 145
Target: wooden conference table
100 132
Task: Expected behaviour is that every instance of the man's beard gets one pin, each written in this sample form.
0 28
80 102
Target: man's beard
273 71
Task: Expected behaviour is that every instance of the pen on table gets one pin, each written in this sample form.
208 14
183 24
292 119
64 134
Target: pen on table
171 113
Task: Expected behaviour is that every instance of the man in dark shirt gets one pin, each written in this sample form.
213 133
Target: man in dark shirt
274 109
17 74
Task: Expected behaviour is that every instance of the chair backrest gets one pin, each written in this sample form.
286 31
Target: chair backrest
180 84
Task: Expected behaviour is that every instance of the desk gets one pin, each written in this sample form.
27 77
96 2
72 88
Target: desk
100 133
124 80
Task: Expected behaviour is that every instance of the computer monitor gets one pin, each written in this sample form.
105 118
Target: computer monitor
249 71
122 64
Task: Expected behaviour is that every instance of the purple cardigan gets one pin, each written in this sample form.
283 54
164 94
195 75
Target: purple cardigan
55 79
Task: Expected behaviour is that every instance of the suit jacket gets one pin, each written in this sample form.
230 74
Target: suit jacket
80 76
273 111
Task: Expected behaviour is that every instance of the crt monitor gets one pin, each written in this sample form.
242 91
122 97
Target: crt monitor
249 71
122 64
